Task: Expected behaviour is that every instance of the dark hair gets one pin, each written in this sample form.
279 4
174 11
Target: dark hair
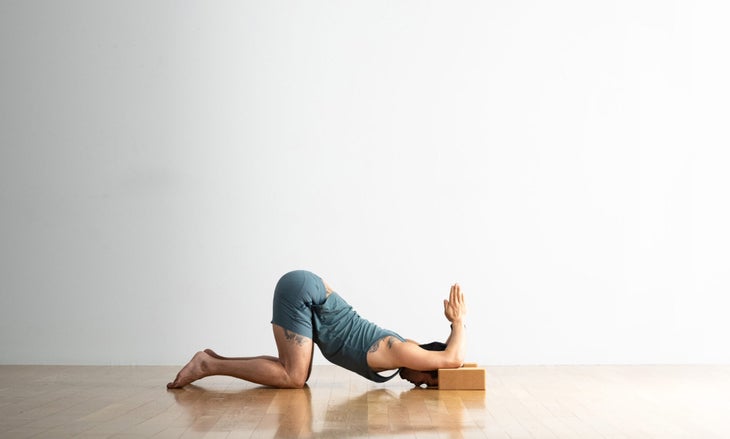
433 346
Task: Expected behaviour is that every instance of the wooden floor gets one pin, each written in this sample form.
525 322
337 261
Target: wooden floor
520 402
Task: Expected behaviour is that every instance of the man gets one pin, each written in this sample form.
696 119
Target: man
308 311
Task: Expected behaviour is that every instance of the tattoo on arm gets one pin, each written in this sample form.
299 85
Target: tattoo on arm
390 342
374 347
293 336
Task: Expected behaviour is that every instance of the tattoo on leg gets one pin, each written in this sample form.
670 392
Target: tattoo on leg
298 339
374 347
390 342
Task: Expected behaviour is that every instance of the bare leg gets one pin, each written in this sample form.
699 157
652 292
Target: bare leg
290 370
213 354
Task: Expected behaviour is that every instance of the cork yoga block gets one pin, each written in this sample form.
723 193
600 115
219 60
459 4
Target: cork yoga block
467 377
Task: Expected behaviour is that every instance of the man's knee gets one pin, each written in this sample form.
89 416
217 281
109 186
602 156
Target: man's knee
297 380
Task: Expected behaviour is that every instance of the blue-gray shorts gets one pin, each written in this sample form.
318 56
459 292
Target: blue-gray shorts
294 296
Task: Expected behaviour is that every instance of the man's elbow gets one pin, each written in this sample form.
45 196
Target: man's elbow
453 364
454 361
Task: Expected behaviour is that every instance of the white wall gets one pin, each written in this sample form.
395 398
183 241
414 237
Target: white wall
163 163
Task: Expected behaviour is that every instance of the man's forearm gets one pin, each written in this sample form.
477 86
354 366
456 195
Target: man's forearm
456 341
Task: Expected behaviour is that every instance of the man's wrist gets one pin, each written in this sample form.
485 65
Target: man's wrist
458 322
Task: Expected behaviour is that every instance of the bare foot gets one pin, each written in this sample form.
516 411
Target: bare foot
194 370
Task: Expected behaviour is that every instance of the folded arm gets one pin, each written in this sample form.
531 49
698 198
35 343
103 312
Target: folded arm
399 354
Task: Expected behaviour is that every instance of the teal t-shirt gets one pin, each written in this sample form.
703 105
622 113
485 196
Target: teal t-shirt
345 338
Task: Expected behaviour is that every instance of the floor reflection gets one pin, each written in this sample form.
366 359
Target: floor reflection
332 412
